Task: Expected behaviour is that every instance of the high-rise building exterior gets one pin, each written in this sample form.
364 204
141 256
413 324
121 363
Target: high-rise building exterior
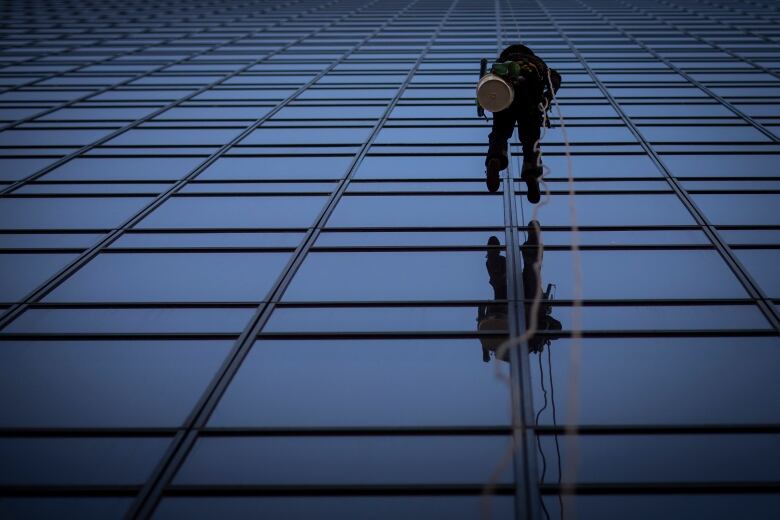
247 265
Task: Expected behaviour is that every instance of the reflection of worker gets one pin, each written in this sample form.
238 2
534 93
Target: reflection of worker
493 316
534 84
532 282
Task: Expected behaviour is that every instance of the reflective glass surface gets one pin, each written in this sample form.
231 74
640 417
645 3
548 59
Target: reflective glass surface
348 508
78 460
346 461
266 229
104 383
355 383
684 506
235 212
721 379
666 458
417 211
173 277
90 508
459 275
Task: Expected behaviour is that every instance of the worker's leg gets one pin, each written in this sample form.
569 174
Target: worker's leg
529 127
503 126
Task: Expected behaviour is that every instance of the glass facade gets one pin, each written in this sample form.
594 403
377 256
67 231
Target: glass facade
250 268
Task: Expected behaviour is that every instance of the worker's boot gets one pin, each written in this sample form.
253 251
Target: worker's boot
493 169
531 174
534 230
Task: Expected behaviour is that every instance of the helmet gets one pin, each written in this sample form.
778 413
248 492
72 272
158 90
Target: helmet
515 50
494 94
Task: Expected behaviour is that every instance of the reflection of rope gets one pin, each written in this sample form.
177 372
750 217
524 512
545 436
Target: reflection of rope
533 320
538 438
555 423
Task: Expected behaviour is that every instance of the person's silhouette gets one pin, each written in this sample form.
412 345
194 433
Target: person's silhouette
492 317
534 85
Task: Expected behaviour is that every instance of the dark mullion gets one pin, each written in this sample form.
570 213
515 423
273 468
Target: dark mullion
524 457
50 490
370 431
253 304
662 488
212 490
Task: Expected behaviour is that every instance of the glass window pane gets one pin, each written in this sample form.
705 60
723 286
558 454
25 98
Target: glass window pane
162 320
29 137
151 137
611 210
78 460
43 508
354 383
736 208
172 277
656 318
68 213
207 239
373 319
410 238
643 274
722 506
720 165
104 383
418 211
353 461
332 135
343 507
374 276
23 273
47 240
723 380
235 212
701 134
762 264
601 166
667 458
125 168
277 168
16 169
633 237
421 167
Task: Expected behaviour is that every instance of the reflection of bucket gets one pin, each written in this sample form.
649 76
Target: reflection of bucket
496 323
494 94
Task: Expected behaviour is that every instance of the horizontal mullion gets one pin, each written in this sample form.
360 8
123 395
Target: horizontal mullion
67 491
662 488
336 490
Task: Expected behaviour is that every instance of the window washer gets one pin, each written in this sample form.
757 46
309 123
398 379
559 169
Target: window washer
519 88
